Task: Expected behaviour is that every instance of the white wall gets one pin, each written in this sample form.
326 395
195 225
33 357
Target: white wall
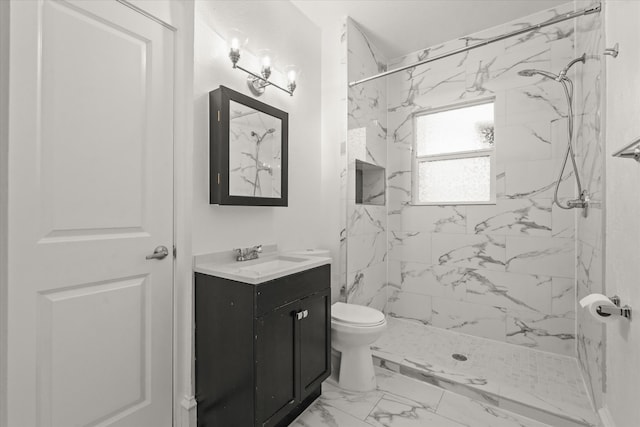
301 224
310 219
623 209
4 144
334 131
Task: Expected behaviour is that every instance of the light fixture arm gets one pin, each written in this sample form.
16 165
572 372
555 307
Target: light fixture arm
262 81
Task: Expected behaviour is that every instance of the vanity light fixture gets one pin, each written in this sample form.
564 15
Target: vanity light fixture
258 82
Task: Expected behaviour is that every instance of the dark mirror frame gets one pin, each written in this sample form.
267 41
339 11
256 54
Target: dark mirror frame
219 101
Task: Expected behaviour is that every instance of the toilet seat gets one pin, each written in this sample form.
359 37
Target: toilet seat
356 315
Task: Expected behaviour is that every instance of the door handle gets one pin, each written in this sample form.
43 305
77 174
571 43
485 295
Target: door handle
159 253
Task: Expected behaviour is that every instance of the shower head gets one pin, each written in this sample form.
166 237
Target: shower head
560 77
532 72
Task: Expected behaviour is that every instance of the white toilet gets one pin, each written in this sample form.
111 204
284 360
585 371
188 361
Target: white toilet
354 328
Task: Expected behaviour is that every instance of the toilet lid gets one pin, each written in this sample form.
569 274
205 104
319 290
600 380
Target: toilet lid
356 314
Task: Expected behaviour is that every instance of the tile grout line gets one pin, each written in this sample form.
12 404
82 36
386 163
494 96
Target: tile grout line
340 410
439 402
374 406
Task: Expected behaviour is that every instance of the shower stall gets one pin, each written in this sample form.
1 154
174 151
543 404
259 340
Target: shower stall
481 297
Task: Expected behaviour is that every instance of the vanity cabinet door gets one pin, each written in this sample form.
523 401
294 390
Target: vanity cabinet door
277 364
315 342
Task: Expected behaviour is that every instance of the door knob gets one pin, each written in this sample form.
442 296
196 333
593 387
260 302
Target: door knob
158 253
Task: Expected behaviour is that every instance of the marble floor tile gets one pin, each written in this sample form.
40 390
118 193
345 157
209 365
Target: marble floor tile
400 401
321 414
358 405
511 376
424 394
394 411
473 413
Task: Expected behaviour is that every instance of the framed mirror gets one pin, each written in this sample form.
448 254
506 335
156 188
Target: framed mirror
248 151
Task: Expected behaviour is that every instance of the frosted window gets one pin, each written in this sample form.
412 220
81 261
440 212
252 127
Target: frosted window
453 131
457 180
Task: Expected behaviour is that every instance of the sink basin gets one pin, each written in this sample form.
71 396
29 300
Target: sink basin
266 266
262 269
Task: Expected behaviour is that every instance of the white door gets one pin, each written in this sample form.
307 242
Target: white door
91 193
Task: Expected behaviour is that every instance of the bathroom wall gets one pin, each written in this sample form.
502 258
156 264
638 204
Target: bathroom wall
334 142
622 238
504 271
366 225
4 185
312 217
590 149
297 226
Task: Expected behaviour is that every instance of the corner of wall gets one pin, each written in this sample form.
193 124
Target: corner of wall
4 187
184 414
333 115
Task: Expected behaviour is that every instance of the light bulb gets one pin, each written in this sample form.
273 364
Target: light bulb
236 40
265 56
293 73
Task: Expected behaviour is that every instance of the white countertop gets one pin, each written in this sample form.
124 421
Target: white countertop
269 266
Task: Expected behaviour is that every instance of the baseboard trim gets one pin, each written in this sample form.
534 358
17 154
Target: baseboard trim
605 417
188 412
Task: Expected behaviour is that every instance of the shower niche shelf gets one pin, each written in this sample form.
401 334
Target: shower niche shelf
370 184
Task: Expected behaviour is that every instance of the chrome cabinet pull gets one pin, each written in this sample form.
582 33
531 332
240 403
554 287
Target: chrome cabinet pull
302 314
158 253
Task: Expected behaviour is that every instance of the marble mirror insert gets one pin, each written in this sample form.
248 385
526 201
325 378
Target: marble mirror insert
248 151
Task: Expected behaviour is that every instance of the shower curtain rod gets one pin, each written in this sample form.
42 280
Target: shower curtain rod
587 11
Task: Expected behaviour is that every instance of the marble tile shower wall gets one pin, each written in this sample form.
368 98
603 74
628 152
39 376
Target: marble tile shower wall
589 240
503 271
366 225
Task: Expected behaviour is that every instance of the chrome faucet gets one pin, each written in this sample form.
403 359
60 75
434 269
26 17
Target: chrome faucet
245 254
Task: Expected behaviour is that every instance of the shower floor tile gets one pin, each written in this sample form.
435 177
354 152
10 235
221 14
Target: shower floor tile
400 401
541 385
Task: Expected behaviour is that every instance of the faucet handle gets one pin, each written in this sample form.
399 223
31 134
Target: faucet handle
238 251
258 248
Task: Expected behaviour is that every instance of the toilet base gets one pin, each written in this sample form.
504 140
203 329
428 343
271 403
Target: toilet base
356 370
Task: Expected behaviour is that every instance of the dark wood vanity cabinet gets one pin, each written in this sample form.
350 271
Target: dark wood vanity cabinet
262 351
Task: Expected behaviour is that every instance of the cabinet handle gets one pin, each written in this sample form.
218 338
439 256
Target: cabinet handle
305 314
299 315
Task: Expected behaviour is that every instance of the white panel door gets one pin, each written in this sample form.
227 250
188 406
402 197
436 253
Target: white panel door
91 194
